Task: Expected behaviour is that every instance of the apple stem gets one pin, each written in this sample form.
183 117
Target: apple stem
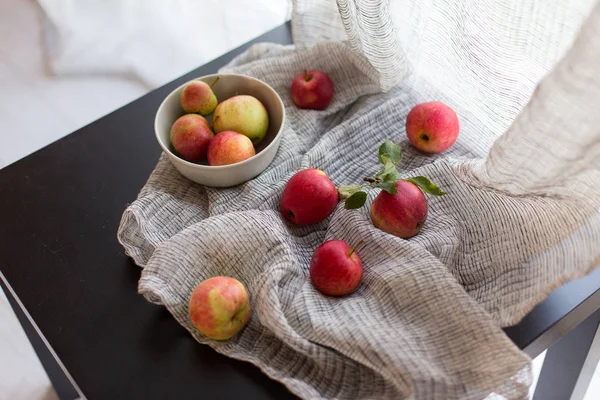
356 247
215 81
307 76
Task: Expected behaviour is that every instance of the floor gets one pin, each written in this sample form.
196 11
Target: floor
35 110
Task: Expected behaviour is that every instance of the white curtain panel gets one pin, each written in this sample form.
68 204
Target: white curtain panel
152 40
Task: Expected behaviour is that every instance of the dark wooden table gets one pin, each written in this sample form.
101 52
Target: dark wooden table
75 291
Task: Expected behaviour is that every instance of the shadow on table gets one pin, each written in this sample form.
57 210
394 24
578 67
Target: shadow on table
169 342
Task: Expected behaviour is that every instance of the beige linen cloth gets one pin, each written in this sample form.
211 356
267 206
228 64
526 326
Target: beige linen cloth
521 216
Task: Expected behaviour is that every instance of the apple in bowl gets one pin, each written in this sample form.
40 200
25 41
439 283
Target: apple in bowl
229 147
190 137
243 114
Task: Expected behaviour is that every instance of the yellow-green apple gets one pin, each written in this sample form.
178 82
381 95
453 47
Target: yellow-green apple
335 268
190 136
219 307
198 97
312 90
432 127
229 147
308 197
243 114
402 214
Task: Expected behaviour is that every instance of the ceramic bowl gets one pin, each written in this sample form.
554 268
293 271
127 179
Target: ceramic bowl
226 175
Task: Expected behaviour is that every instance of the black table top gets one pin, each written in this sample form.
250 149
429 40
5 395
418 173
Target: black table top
59 212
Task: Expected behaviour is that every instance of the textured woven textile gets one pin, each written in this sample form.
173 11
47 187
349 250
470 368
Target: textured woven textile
521 215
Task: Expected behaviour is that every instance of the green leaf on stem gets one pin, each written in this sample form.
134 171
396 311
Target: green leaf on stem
348 190
389 151
389 172
389 187
357 200
426 185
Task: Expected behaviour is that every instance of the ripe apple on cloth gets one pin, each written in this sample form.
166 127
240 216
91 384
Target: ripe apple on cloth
219 307
402 214
308 197
400 209
432 127
335 268
312 90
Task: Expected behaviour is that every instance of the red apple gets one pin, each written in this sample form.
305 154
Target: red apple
402 214
198 97
190 136
432 127
219 307
308 197
229 147
312 90
335 268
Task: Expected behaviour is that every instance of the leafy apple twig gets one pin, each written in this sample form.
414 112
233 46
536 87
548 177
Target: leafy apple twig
390 156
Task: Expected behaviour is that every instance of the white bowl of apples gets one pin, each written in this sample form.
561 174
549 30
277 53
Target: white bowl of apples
220 130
